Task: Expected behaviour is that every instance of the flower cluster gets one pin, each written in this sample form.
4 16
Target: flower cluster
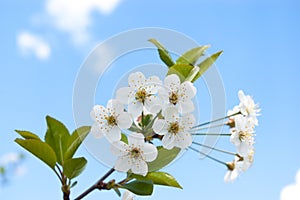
242 120
147 125
149 108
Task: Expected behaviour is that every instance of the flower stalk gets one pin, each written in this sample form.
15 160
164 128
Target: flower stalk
98 185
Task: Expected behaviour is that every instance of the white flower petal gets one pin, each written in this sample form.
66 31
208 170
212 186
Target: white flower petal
119 148
128 195
114 134
241 95
160 126
172 82
136 139
168 141
115 106
187 121
186 106
97 131
163 94
123 95
234 138
139 167
97 112
231 175
135 109
243 148
149 152
123 164
153 104
183 140
235 110
153 84
124 121
187 91
171 114
136 80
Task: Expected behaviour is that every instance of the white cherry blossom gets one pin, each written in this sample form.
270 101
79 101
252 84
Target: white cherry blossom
242 135
246 161
140 94
178 94
248 107
240 164
174 129
232 172
134 155
109 121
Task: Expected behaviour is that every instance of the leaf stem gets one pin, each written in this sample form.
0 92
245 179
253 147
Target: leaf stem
57 174
98 185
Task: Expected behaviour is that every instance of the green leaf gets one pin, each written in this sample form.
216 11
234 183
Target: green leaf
163 53
206 64
27 135
182 70
57 137
138 187
74 167
73 184
75 140
117 191
164 157
40 149
190 57
158 178
134 128
193 73
124 138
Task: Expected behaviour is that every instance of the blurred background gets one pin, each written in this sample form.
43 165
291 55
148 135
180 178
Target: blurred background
44 43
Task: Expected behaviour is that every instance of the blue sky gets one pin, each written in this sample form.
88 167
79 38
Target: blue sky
260 40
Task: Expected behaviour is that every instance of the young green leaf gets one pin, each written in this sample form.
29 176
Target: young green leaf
27 135
40 149
138 187
193 73
164 157
74 167
163 53
134 128
204 65
73 184
190 57
124 138
158 178
57 137
182 70
117 191
75 140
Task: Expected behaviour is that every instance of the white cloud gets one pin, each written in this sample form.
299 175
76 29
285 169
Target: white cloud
9 158
33 44
74 16
291 192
